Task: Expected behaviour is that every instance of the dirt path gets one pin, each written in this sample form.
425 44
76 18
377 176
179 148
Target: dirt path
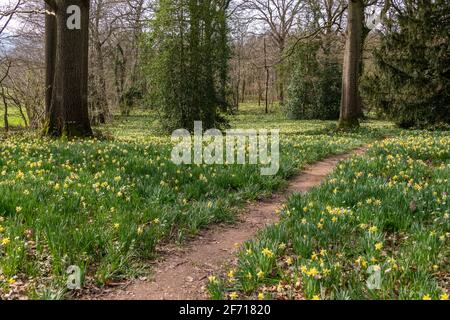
182 273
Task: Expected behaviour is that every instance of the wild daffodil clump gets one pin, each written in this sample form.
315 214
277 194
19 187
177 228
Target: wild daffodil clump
103 206
378 228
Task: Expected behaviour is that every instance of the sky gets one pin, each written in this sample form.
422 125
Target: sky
5 38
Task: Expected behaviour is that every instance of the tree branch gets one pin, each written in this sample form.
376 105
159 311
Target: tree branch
51 4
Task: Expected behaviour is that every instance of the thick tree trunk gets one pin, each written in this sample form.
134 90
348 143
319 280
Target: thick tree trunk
350 101
67 72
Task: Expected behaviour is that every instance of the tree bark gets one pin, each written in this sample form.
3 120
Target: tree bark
281 74
243 91
350 101
101 111
67 72
119 76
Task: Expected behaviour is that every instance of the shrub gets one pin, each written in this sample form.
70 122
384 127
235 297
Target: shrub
315 88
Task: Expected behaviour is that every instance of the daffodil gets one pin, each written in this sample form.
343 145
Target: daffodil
312 272
267 253
289 261
212 279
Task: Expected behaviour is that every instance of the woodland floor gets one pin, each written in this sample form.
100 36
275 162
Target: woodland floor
140 227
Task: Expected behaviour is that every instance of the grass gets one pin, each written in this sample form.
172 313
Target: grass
105 205
381 219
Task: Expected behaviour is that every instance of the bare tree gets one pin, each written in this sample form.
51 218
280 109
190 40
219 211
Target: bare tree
280 17
127 78
351 104
6 16
102 27
3 95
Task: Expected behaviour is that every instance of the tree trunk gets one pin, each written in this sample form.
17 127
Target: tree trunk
266 67
243 91
67 71
22 114
119 76
5 106
281 90
281 74
259 93
238 84
350 101
50 51
103 109
137 31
